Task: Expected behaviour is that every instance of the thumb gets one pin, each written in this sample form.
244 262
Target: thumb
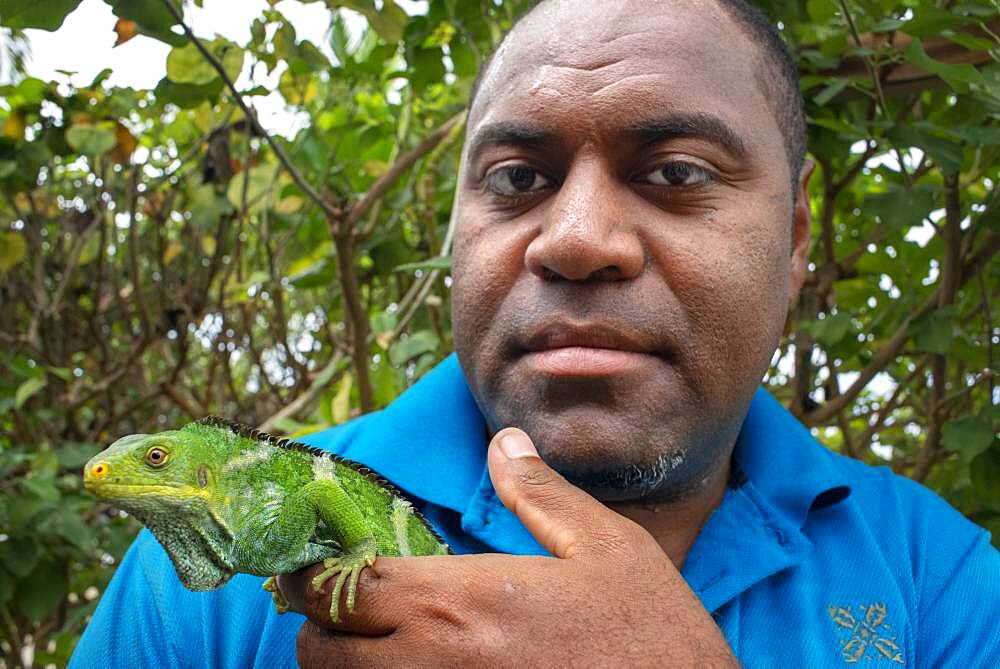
565 520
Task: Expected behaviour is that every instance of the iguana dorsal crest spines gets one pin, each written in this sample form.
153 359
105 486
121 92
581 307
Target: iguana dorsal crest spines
249 432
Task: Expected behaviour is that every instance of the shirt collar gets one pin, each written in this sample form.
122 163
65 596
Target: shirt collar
431 442
787 466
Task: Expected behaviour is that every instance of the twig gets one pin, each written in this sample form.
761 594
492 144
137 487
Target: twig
183 402
251 117
321 382
403 163
899 338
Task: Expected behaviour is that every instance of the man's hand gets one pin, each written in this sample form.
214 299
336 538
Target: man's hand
609 596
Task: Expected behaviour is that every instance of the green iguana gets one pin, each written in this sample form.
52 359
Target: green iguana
224 498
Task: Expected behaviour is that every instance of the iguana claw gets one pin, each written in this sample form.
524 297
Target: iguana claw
280 603
347 568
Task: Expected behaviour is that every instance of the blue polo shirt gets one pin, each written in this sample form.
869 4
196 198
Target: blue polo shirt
812 559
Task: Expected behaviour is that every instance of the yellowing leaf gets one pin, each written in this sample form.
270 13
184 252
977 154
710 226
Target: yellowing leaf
27 389
208 244
298 89
126 145
125 29
340 406
172 251
186 65
13 249
375 168
13 127
260 179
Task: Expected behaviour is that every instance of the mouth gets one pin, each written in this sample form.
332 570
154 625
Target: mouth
587 350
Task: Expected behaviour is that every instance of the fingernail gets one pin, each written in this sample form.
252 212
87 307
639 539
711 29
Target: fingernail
515 444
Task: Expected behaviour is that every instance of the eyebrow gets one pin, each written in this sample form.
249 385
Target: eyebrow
678 125
696 125
512 134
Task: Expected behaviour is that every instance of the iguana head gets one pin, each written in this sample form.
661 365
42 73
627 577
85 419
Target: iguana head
166 480
143 472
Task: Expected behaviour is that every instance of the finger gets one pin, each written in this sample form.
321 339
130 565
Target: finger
321 648
366 618
565 520
383 602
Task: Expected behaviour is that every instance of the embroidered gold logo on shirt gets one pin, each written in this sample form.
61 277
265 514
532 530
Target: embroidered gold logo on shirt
865 636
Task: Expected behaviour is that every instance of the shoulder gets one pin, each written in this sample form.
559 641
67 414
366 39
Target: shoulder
927 541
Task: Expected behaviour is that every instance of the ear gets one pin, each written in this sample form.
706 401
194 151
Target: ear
801 229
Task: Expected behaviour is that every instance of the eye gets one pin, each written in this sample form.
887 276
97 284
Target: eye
678 174
156 456
516 179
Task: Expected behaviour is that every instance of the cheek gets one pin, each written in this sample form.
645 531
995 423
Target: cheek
488 261
733 287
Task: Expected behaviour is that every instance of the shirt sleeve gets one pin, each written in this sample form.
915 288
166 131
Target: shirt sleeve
128 629
147 618
959 607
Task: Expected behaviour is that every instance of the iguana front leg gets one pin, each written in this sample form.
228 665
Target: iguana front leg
347 568
275 545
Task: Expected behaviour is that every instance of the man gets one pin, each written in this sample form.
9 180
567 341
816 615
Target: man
633 224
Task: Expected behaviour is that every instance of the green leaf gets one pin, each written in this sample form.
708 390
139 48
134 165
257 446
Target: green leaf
39 594
821 11
404 350
152 18
831 91
931 22
188 96
27 389
13 249
186 65
933 333
20 555
389 22
437 262
92 140
207 206
41 14
968 436
831 329
957 76
900 208
946 153
74 454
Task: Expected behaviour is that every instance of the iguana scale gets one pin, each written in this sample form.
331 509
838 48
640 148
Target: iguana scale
223 498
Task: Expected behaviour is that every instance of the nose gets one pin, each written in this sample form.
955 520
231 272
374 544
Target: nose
94 472
587 234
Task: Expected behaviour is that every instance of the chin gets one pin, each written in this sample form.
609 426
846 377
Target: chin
618 457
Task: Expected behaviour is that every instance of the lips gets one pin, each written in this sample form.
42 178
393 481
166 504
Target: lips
587 350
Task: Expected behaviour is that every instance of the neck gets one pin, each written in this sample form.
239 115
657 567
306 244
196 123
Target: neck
676 524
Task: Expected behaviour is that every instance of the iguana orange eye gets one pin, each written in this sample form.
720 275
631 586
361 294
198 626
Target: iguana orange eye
156 456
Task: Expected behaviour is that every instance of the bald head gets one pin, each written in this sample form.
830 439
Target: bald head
774 68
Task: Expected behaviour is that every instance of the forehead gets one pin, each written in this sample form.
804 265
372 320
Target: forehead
606 64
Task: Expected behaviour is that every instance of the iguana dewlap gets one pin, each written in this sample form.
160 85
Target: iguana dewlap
224 498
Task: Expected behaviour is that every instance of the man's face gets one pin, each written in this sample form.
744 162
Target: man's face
624 243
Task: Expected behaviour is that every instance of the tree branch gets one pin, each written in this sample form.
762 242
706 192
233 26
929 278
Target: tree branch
401 165
895 344
320 383
250 115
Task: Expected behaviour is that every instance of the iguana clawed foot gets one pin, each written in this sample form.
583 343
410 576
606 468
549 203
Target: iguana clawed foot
347 568
280 603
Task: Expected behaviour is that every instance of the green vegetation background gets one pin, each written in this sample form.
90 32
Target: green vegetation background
162 258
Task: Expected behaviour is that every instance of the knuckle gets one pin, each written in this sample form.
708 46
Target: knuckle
535 477
309 646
